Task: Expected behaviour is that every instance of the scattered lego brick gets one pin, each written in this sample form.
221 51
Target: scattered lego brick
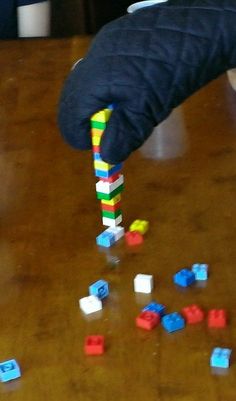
148 320
193 314
217 318
133 238
220 357
94 345
143 283
200 270
140 226
173 322
155 307
184 278
100 289
90 304
9 370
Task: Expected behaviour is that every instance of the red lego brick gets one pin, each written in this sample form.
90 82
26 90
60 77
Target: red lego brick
133 238
217 318
148 320
193 314
112 178
94 345
111 208
96 149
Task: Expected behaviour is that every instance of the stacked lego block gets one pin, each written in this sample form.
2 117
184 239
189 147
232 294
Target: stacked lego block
110 184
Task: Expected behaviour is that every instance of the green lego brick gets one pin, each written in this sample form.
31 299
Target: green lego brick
102 195
98 125
111 215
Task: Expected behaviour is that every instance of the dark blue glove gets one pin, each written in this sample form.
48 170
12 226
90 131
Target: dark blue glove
146 63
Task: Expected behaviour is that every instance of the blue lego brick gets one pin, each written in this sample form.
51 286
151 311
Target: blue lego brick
9 370
155 307
100 289
200 270
97 156
184 277
109 173
220 357
105 239
111 106
173 322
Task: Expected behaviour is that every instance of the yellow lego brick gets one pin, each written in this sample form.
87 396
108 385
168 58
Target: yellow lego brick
112 201
102 116
96 132
100 165
96 140
140 226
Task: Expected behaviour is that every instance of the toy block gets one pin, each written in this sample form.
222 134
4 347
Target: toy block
90 304
108 187
9 370
96 132
102 116
96 149
133 238
101 165
117 231
98 125
96 156
111 208
103 174
140 226
111 215
173 322
105 239
94 345
200 270
96 140
193 314
220 357
103 195
156 308
184 277
148 320
143 283
112 178
217 318
106 221
112 201
100 289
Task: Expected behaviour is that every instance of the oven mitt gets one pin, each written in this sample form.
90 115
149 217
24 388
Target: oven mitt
146 64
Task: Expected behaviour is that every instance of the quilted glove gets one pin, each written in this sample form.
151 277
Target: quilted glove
146 63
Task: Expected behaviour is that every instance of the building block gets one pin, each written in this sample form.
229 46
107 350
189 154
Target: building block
9 370
112 178
173 322
108 187
200 270
102 116
140 226
117 231
111 215
111 208
100 289
193 314
147 320
97 156
184 277
98 125
156 308
105 239
94 345
96 149
96 132
220 357
96 140
112 201
103 174
143 283
133 238
106 221
101 165
90 304
217 318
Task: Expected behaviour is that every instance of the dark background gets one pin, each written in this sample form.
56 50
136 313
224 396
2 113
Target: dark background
74 17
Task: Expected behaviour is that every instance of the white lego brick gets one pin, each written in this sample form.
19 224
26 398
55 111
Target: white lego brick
108 187
106 221
117 231
143 283
90 304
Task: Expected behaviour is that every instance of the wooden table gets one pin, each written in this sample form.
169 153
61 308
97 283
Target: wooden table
50 218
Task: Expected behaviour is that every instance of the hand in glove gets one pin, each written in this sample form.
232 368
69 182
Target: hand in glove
146 63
